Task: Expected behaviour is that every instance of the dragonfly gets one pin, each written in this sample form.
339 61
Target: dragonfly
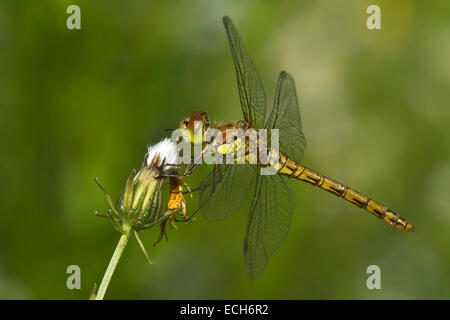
227 187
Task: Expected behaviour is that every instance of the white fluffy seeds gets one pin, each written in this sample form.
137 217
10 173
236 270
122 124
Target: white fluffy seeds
165 150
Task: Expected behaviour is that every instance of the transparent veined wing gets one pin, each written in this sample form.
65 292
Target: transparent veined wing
251 91
285 117
225 190
269 220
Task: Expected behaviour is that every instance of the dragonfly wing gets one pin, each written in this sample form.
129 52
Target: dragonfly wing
251 91
269 221
225 190
285 117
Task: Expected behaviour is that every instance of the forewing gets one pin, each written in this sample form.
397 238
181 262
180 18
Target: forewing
285 117
251 91
269 220
225 190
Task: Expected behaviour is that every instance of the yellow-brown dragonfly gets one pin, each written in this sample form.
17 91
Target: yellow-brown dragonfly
227 187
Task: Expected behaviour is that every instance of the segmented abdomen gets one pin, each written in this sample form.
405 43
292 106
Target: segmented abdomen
295 170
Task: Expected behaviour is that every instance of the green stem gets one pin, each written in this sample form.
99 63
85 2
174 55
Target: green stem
113 263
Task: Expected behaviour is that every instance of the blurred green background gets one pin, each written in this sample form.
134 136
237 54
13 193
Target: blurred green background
75 104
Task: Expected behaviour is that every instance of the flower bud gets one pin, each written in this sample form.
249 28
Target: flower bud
140 203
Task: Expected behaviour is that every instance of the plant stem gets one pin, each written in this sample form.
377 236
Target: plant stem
113 263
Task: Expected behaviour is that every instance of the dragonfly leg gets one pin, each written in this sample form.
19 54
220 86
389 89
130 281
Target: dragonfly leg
187 173
191 217
172 224
202 189
214 182
194 164
162 233
192 190
188 188
165 216
180 165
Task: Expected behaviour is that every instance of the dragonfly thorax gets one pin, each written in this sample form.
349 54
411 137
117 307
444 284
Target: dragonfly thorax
238 143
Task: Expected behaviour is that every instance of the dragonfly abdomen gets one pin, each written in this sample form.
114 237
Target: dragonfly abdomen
295 170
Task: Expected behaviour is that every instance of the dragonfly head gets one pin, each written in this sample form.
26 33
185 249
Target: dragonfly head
195 126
